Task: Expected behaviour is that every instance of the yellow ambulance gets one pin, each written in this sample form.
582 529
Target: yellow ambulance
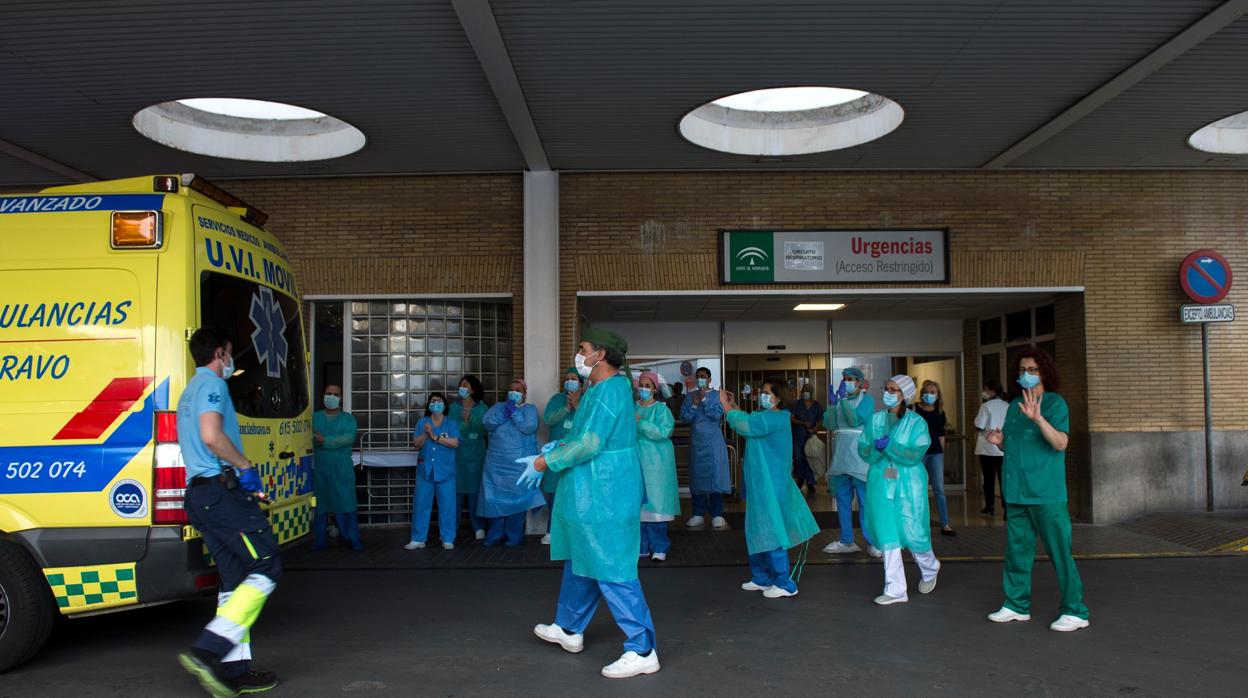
101 285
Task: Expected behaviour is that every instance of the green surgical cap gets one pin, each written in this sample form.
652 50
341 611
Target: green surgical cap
853 371
570 369
602 337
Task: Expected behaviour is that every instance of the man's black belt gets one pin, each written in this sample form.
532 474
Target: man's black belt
200 480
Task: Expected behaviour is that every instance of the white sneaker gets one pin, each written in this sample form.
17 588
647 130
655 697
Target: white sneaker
837 547
926 586
1068 623
885 599
659 557
448 546
778 593
546 539
719 523
555 634
751 586
414 545
695 522
1005 615
874 551
480 534
631 664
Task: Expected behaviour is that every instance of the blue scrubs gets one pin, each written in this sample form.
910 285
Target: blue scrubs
654 538
435 477
578 600
708 457
772 569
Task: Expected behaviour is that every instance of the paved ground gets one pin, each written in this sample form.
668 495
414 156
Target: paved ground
1161 627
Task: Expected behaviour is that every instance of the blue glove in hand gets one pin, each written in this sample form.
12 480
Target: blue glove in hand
509 409
530 478
550 446
833 394
842 391
250 480
881 443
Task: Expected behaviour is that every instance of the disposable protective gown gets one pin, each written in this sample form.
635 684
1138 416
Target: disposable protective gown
510 438
845 420
558 417
333 473
658 459
897 508
470 456
597 516
708 459
776 515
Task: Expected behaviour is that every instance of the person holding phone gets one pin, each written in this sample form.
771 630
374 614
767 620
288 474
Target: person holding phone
1034 439
436 436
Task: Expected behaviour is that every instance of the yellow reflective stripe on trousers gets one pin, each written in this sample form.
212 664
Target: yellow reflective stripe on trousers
250 548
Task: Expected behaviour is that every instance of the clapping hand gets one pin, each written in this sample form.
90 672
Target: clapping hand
881 443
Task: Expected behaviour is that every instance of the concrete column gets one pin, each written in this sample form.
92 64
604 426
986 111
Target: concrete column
541 286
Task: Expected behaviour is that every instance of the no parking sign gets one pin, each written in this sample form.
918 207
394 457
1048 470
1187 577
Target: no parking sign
1205 276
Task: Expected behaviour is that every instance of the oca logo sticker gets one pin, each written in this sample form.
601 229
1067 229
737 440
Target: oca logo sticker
128 499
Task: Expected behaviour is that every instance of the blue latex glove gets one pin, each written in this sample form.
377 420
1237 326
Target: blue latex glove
530 478
509 409
834 394
550 447
842 391
250 481
881 443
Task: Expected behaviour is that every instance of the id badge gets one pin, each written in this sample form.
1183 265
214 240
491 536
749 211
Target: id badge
473 436
567 424
890 473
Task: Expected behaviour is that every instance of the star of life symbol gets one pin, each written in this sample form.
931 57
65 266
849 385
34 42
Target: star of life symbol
268 339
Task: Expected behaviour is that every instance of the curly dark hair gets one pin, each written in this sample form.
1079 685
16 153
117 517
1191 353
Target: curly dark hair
1049 377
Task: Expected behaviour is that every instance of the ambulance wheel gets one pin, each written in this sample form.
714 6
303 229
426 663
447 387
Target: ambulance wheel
27 610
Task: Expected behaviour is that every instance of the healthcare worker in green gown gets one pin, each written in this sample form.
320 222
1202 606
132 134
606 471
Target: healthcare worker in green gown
469 416
658 467
1034 439
776 515
333 472
597 527
559 414
893 443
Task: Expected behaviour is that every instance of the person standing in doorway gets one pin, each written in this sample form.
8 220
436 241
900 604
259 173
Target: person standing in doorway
597 529
223 495
894 441
849 408
931 407
991 417
333 473
805 416
1034 439
469 416
708 457
512 426
776 515
658 468
677 400
559 414
436 436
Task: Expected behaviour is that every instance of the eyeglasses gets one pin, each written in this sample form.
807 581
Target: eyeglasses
895 391
1033 370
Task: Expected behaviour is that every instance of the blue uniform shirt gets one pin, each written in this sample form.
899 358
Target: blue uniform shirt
206 392
437 462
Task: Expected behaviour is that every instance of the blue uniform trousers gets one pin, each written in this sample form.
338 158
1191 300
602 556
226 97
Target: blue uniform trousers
508 528
654 537
422 509
771 569
845 487
470 499
348 526
578 600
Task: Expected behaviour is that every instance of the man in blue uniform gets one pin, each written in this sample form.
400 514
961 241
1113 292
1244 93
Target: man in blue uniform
222 490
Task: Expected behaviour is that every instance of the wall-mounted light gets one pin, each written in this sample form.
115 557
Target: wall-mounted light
819 306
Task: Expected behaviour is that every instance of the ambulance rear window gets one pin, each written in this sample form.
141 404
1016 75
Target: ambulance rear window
270 380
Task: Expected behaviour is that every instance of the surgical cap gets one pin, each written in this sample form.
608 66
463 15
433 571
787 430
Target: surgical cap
906 383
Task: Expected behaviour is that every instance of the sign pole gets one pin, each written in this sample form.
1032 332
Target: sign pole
1204 350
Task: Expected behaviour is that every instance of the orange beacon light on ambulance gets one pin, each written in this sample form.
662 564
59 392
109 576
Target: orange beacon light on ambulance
101 285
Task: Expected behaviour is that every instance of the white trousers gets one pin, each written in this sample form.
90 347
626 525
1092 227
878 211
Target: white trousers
895 572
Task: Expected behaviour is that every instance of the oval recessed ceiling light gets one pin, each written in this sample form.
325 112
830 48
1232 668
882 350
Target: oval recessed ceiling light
248 129
782 121
1229 135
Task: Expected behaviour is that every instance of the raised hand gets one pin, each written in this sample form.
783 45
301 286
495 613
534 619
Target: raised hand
1031 405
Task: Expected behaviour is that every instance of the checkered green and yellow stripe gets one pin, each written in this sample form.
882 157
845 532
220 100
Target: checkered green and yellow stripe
291 522
93 587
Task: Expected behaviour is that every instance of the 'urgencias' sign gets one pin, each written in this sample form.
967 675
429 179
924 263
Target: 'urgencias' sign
834 256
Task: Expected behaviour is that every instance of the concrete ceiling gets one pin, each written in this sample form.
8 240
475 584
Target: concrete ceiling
893 306
444 86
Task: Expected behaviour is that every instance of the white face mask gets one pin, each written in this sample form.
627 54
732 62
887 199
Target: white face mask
581 369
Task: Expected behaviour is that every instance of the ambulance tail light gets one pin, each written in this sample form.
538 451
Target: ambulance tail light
169 473
136 230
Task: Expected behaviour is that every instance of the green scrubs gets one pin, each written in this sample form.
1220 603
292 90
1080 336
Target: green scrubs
333 473
470 456
1034 484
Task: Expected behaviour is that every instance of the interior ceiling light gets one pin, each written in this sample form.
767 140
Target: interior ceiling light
819 306
248 129
1229 135
780 121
